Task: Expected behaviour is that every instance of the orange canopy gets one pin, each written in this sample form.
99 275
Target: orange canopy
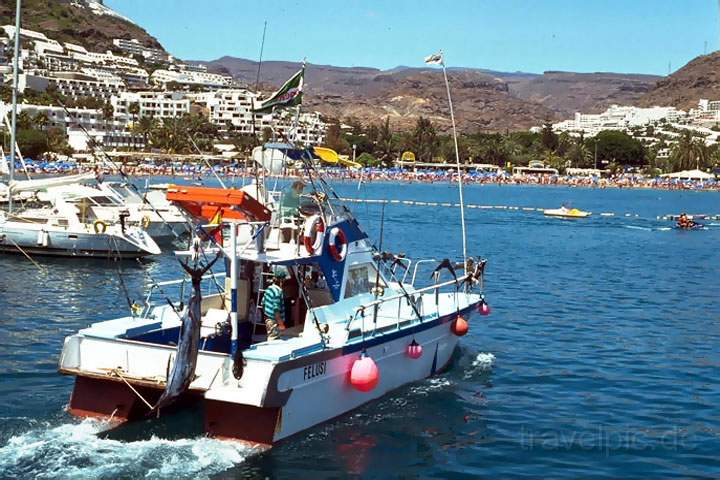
207 203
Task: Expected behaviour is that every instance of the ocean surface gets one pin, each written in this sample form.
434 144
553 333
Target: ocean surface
601 358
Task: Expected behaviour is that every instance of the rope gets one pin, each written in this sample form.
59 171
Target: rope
116 371
26 255
130 303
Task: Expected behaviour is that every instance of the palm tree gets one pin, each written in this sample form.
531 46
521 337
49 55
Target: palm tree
689 152
41 120
134 110
108 113
424 140
24 121
144 127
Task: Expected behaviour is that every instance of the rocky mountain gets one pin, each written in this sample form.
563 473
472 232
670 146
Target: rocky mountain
566 92
700 78
85 22
484 99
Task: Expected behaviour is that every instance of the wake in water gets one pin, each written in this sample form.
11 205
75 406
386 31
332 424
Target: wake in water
75 451
483 362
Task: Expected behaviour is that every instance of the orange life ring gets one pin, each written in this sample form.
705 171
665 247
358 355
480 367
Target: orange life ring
100 227
314 234
337 243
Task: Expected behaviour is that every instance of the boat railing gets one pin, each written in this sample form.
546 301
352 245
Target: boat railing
159 288
412 299
418 264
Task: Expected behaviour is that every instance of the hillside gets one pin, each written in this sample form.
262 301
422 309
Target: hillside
568 92
482 99
700 78
85 22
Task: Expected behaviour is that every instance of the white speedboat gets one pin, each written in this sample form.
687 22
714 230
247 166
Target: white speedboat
355 332
565 212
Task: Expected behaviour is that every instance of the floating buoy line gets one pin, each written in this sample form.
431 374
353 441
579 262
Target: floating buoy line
417 203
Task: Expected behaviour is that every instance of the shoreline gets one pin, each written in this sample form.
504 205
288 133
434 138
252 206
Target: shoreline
404 177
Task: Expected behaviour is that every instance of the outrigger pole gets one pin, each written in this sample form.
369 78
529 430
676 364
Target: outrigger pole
13 128
440 59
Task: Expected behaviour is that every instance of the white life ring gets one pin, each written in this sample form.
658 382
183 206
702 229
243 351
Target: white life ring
337 243
314 234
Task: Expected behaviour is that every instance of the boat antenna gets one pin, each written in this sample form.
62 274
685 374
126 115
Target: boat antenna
257 85
13 129
262 48
376 289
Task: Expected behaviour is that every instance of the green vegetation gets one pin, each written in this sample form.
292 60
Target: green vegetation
610 149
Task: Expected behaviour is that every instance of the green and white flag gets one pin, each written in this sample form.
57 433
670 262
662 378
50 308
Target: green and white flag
290 94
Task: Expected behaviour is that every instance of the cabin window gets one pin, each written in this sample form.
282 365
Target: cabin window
103 201
361 279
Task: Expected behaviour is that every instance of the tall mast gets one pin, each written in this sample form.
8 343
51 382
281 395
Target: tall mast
13 128
457 159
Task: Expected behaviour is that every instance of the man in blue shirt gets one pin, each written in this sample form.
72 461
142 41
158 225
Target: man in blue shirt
274 306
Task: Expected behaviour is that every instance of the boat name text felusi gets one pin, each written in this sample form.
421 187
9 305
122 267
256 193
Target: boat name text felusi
314 370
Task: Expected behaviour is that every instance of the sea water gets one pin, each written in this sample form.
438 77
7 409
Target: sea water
601 357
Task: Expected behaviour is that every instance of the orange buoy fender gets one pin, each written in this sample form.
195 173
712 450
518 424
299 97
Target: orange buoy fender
414 350
364 374
459 326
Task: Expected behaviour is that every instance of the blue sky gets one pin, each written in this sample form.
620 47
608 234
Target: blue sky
640 36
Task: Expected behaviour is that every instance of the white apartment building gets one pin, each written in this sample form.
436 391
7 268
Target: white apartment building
84 140
234 107
58 117
618 118
25 34
708 111
77 84
134 47
163 77
152 104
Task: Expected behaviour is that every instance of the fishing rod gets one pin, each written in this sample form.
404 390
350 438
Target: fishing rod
376 290
207 162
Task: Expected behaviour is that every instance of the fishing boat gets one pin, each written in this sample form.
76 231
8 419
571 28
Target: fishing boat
565 212
359 324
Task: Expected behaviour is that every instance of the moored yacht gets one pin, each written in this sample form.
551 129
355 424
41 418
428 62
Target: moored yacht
60 228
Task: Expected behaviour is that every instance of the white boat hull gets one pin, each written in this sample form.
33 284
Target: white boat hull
273 400
319 390
38 239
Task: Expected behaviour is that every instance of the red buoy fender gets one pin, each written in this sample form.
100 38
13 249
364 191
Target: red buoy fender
337 243
364 374
459 326
414 350
314 234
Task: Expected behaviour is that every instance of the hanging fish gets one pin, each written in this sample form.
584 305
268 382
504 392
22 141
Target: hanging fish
183 372
445 264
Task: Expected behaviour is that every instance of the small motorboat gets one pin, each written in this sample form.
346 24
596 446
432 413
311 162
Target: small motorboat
565 212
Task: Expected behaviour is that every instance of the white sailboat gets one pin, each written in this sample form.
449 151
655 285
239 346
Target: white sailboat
59 229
